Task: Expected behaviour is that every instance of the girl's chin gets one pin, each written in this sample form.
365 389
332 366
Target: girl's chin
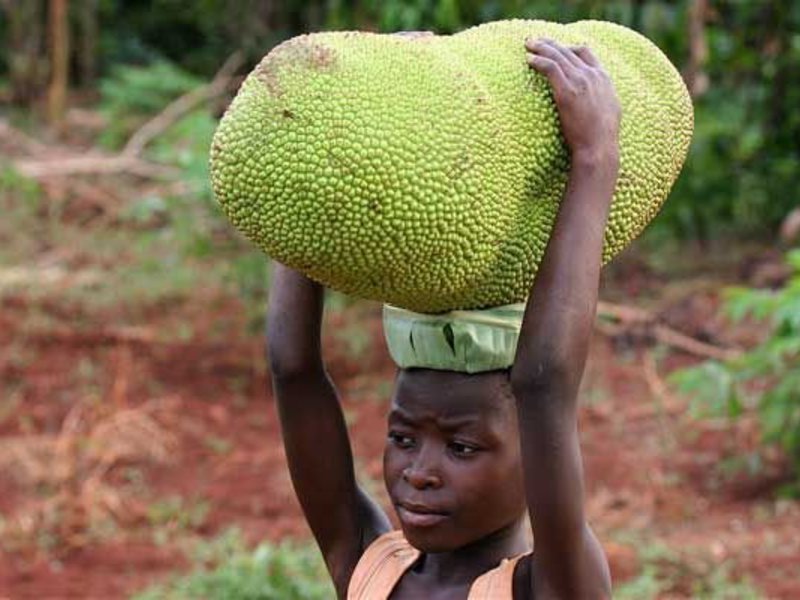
430 541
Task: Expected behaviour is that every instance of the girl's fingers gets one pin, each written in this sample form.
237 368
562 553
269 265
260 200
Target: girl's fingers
550 69
567 53
586 55
542 48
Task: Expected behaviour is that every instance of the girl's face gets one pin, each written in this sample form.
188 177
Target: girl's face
452 459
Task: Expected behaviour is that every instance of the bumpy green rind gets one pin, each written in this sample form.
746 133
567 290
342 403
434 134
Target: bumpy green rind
427 172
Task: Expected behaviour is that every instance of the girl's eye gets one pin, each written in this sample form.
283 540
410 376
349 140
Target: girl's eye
400 440
462 449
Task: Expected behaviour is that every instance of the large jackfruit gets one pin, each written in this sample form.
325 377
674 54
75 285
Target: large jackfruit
427 172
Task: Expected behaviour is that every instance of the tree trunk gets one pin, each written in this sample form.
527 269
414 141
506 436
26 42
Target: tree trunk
87 46
696 77
59 62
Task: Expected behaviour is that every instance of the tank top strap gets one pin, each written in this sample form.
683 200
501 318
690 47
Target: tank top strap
497 584
381 567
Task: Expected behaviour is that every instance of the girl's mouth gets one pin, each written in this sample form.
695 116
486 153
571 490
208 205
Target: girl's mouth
420 516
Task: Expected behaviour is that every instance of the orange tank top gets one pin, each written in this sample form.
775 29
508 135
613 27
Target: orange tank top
387 558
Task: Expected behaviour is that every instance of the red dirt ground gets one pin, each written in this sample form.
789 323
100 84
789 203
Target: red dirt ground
652 474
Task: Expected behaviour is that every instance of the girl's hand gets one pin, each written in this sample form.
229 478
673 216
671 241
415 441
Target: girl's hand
587 103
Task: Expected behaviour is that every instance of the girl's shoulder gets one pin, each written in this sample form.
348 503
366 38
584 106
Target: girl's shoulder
381 566
522 583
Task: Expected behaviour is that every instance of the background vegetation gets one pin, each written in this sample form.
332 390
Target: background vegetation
741 59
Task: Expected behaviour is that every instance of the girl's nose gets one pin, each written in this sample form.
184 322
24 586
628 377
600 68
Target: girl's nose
421 478
423 472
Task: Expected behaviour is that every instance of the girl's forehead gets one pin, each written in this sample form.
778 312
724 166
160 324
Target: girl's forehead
417 413
445 395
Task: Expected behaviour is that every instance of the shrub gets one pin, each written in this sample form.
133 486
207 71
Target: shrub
766 377
132 93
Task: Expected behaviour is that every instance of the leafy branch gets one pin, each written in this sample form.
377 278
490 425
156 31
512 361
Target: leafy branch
767 377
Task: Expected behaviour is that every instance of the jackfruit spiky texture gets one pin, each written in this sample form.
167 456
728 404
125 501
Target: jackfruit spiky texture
427 172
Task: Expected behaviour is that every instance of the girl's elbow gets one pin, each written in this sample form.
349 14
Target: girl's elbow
538 377
285 366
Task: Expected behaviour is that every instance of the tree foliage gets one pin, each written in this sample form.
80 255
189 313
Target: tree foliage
743 170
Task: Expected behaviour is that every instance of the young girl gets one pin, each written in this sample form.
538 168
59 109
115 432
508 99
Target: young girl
468 456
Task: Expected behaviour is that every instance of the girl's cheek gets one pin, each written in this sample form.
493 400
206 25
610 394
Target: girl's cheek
392 464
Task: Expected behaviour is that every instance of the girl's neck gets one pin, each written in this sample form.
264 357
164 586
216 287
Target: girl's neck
466 564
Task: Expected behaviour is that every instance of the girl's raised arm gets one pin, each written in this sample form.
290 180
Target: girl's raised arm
341 516
554 339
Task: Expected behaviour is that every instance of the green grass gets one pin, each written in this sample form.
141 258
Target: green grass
225 569
176 512
666 573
